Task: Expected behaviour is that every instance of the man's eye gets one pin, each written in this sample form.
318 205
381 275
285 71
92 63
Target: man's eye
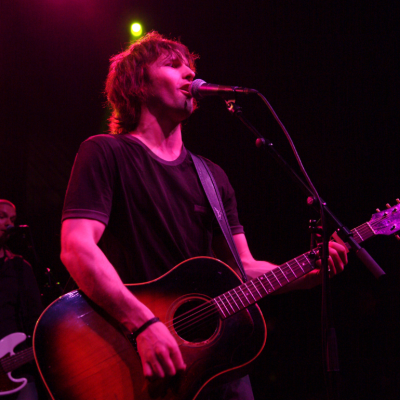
173 63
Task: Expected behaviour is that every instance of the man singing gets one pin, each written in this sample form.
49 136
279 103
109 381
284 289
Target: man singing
135 207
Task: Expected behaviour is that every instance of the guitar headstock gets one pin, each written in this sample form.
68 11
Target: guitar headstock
386 222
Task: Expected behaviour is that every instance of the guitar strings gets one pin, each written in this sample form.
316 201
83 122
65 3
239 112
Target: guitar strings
205 311
191 319
365 228
186 320
187 317
199 315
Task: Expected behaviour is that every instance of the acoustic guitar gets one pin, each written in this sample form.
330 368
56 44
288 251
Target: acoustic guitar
83 354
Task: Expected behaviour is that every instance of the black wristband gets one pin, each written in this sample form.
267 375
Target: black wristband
134 335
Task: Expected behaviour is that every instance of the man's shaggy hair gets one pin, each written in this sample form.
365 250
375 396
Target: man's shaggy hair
126 85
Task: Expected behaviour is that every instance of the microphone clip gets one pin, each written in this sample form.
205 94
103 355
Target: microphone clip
232 107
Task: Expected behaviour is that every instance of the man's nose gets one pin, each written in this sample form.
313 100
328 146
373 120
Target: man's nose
188 73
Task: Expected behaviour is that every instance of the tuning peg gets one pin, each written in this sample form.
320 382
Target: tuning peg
378 210
397 237
388 205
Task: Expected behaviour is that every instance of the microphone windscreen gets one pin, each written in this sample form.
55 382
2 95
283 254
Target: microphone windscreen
194 88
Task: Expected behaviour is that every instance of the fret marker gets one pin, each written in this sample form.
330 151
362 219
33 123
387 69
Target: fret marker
299 264
260 280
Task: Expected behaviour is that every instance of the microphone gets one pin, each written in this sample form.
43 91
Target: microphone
14 229
199 89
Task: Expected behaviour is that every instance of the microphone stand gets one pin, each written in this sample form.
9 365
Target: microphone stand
329 343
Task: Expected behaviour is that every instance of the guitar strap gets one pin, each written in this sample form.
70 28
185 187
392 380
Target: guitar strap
213 196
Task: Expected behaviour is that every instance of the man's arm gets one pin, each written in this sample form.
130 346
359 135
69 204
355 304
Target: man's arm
98 279
254 268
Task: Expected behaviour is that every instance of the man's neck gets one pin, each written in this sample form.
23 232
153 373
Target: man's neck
163 139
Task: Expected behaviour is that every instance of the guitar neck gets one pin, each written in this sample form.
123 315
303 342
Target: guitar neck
363 232
251 291
11 363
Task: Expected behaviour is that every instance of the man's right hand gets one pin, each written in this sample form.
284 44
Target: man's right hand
159 352
98 279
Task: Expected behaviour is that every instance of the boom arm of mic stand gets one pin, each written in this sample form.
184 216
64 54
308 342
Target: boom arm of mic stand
342 231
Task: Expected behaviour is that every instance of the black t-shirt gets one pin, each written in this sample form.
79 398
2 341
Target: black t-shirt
155 211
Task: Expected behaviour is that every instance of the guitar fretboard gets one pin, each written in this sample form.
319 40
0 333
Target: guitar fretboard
248 293
251 291
362 232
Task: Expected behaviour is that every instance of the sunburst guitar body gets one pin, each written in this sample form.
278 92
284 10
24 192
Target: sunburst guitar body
83 354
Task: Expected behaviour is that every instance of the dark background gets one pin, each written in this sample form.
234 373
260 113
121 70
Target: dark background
329 69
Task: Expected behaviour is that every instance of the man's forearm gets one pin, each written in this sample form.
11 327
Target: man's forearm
98 279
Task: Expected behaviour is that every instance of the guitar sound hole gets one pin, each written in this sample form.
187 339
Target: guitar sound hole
195 320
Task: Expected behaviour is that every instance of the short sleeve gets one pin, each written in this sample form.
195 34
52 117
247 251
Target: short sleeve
90 188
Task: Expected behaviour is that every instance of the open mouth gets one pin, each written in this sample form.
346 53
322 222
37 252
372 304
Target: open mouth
185 90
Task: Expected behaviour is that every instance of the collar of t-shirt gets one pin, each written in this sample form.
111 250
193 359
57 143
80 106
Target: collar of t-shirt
178 161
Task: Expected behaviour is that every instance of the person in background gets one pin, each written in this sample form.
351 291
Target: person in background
20 304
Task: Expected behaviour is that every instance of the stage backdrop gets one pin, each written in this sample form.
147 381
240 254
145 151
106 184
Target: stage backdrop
330 70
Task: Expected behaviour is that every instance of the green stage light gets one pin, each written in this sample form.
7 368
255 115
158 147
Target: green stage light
136 29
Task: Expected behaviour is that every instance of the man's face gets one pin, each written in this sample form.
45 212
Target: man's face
168 88
7 218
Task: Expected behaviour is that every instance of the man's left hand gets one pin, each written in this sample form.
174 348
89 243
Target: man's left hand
336 261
